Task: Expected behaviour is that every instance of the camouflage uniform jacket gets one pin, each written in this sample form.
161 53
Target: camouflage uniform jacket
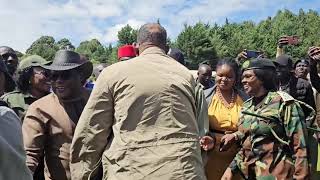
18 102
273 139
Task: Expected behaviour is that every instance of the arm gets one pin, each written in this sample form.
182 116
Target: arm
202 111
243 128
296 132
280 51
92 131
13 156
314 77
33 130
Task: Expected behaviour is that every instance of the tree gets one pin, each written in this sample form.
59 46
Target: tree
44 46
195 42
94 50
65 44
127 35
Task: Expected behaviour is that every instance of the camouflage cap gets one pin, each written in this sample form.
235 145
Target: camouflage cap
258 63
32 61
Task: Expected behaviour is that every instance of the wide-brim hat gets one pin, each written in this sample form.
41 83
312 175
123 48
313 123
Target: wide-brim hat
66 60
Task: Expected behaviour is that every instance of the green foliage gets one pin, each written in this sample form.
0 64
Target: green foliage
195 42
127 35
45 47
65 44
204 42
94 50
209 42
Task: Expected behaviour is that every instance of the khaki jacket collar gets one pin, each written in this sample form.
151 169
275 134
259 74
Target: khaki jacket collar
152 50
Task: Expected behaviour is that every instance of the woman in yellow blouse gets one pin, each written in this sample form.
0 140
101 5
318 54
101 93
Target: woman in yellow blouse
224 103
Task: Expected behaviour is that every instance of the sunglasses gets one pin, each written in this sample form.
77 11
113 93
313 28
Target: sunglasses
7 55
62 75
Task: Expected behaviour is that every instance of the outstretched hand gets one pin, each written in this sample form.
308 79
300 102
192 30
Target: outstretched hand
207 143
242 56
227 141
283 41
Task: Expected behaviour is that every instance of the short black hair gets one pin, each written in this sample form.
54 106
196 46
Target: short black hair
230 62
152 33
234 65
24 77
267 77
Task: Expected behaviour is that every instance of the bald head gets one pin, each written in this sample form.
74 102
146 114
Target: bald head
152 34
204 74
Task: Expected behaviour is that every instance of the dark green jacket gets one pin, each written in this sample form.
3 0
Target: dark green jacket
18 102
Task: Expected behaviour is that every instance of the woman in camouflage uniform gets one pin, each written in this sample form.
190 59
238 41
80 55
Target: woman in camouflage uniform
33 83
271 130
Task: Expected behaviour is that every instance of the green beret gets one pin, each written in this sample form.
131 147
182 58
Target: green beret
259 63
32 61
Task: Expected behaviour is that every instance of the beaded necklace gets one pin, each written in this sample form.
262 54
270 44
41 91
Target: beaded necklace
224 101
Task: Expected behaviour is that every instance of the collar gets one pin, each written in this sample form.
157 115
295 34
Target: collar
265 101
152 50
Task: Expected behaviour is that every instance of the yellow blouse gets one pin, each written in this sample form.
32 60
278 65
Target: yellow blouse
222 118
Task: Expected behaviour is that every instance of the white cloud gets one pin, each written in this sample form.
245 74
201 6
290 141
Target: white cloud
112 32
78 20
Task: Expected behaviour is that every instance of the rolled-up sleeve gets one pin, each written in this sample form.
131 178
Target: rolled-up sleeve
92 131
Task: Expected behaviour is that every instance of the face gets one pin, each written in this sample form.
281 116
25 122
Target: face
66 84
302 70
283 72
40 80
225 77
204 75
2 83
11 61
251 84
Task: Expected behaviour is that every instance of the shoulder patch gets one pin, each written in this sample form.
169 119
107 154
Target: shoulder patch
285 96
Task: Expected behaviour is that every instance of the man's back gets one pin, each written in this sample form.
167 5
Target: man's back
149 104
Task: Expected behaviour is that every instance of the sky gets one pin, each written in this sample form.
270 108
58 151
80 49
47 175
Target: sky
24 21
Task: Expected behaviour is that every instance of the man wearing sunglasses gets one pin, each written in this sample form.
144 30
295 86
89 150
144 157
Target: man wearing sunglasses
10 58
50 121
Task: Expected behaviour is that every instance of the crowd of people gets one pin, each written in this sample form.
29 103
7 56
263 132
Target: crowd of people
148 117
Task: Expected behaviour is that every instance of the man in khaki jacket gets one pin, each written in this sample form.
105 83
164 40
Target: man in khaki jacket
140 119
50 121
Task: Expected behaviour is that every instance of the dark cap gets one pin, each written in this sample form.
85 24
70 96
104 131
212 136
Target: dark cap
258 63
305 61
283 60
177 55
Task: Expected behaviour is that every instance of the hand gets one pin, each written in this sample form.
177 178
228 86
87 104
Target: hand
207 143
283 41
316 135
227 175
226 141
242 56
314 53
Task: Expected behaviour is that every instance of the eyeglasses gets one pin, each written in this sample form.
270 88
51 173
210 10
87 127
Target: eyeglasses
62 75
